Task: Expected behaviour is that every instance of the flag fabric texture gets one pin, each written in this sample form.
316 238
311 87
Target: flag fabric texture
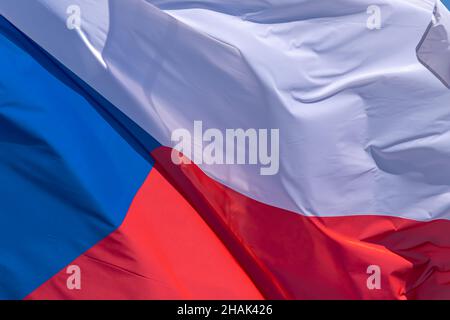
92 91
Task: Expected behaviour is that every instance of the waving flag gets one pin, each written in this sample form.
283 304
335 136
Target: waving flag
284 149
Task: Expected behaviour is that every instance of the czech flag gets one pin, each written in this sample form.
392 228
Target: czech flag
224 149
